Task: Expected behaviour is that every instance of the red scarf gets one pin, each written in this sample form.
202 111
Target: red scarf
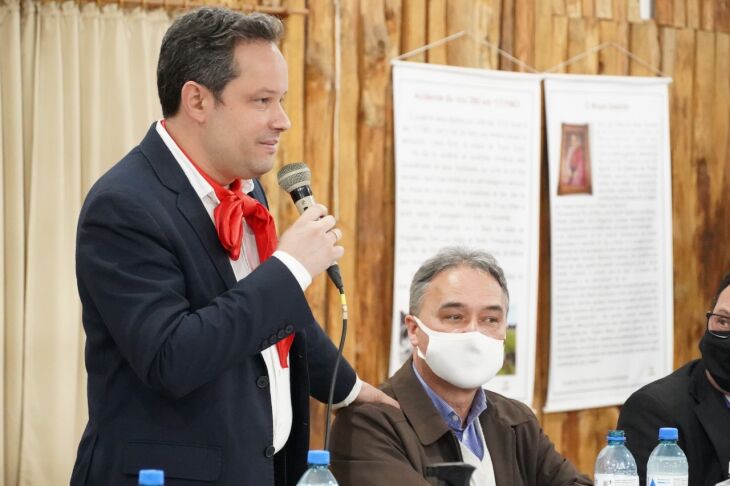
234 207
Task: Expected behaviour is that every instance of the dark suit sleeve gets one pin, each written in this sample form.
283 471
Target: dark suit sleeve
640 419
321 356
367 450
129 271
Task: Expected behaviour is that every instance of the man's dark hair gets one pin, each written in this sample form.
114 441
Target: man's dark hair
723 285
199 46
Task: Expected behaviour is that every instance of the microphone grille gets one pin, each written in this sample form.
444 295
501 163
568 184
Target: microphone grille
294 176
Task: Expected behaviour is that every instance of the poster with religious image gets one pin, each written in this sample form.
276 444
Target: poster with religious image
611 302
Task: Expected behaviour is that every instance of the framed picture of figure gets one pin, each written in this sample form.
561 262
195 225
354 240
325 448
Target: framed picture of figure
575 160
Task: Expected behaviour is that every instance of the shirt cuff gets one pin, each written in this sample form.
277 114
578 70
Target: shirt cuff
351 397
297 269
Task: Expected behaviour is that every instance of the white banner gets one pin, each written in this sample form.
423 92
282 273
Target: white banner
611 238
467 157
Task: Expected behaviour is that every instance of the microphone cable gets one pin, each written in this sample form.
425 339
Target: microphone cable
334 274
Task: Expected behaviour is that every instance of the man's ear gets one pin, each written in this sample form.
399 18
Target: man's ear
195 100
412 327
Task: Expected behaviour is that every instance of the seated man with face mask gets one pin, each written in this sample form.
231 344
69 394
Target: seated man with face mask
695 399
457 324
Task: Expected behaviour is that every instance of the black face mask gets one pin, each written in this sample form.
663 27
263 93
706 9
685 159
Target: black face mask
716 356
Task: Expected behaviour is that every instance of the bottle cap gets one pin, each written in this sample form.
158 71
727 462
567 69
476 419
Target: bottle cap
668 433
319 458
616 436
151 477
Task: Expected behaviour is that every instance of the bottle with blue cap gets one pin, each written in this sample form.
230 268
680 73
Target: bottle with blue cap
151 477
615 466
319 473
667 464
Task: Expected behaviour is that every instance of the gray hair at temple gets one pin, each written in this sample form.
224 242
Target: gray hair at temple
450 257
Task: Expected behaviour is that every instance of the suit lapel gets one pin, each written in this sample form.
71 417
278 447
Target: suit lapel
188 203
193 210
712 412
417 406
259 194
500 440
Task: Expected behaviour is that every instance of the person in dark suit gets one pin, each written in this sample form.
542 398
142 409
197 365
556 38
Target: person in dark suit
695 399
457 324
201 349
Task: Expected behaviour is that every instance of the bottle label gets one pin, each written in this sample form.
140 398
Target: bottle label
615 480
666 481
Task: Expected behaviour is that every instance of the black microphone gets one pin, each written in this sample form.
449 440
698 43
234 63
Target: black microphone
296 179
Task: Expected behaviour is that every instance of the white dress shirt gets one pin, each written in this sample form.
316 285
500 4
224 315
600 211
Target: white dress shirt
279 378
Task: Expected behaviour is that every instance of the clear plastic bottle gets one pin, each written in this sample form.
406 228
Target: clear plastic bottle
615 466
151 477
667 464
727 481
318 473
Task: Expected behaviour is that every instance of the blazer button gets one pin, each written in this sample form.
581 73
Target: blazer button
289 329
262 381
269 451
281 334
273 339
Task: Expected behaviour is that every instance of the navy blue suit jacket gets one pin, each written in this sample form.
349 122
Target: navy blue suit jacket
176 380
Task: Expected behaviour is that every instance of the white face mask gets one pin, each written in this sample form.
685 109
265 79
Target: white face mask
464 359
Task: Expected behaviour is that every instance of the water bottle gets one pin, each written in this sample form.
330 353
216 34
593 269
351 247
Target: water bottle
615 466
667 465
318 473
151 477
727 481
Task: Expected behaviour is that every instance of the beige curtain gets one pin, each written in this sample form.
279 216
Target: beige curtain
77 91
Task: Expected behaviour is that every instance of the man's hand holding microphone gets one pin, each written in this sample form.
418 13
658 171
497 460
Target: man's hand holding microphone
312 240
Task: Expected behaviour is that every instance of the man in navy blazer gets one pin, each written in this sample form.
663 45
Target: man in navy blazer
183 373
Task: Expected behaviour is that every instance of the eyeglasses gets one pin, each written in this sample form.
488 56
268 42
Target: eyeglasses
718 325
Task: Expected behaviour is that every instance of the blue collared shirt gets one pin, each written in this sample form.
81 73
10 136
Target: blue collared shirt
466 433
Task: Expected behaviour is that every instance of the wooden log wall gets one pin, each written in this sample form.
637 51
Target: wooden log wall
340 104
